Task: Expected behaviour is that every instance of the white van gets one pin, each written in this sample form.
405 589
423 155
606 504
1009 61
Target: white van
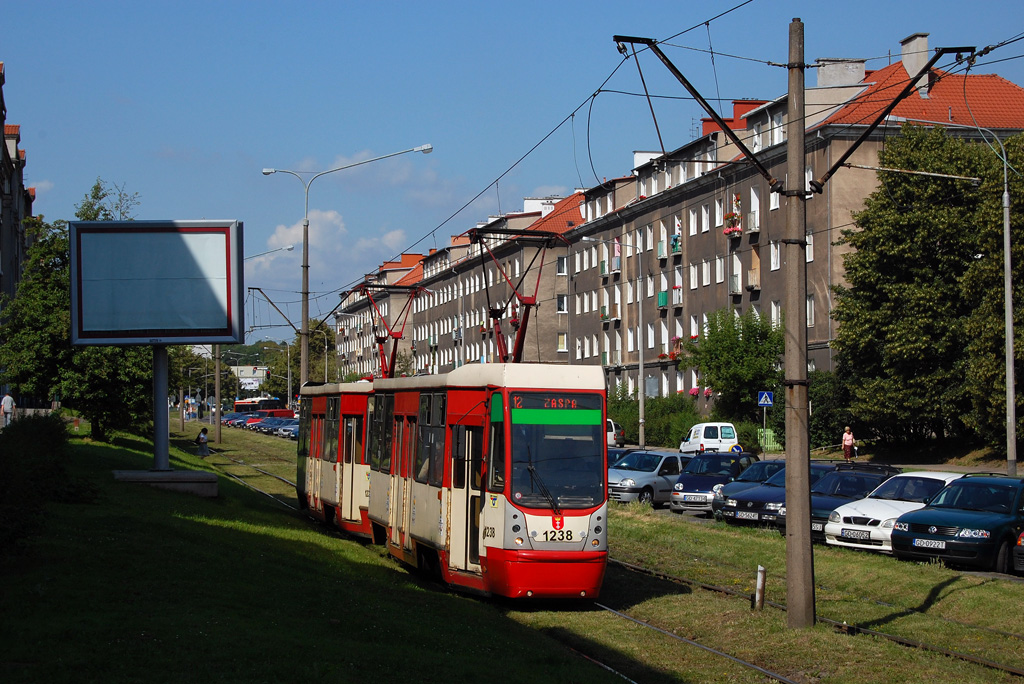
709 437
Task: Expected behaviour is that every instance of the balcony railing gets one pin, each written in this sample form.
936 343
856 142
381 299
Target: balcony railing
662 252
754 279
753 222
677 296
735 286
663 299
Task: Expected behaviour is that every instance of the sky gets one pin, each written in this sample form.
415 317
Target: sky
185 103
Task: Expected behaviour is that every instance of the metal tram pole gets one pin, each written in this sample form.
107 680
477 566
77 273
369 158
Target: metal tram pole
799 553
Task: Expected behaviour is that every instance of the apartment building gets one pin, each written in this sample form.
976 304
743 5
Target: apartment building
15 201
696 230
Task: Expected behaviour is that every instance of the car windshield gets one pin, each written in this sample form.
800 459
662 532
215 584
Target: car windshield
642 461
908 488
846 484
713 465
778 479
557 451
759 471
976 496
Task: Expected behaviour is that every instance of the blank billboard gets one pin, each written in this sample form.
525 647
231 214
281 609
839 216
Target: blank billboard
156 282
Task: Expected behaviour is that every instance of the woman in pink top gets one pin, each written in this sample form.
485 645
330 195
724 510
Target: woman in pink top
847 444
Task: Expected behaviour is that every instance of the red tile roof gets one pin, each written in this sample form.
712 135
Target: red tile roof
413 277
11 129
995 102
563 217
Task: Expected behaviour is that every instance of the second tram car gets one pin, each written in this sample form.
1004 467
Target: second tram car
493 476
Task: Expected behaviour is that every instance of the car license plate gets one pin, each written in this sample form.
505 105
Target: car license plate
855 534
929 543
695 497
817 527
746 515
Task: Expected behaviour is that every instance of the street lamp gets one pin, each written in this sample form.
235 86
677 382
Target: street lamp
304 331
640 342
288 351
286 248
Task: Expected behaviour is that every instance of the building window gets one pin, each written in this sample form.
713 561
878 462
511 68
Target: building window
755 142
719 212
810 247
776 313
693 222
776 253
778 132
562 303
810 311
693 277
719 269
561 266
705 218
562 342
706 273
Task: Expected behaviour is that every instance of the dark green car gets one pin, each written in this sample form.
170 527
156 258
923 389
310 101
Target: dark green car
973 521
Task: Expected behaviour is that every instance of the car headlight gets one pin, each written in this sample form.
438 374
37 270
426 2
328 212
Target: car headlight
782 511
628 482
730 502
718 494
679 486
973 534
717 487
902 527
773 506
888 524
834 517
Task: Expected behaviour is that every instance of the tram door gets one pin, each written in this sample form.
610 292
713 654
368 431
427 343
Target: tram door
329 485
405 430
352 455
466 501
316 452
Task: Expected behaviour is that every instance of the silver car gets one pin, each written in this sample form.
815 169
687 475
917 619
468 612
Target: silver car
645 476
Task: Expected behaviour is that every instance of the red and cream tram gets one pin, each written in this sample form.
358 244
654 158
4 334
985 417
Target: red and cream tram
493 476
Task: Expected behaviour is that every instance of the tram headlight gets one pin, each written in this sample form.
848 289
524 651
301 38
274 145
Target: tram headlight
519 541
595 542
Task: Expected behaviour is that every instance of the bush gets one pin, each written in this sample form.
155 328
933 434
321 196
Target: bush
33 451
747 434
666 419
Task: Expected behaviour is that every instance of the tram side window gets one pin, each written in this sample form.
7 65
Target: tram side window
387 436
430 447
352 443
331 430
496 455
303 437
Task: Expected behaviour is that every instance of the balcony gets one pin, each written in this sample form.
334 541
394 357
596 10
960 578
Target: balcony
754 222
676 245
735 286
677 296
754 280
662 251
616 264
663 299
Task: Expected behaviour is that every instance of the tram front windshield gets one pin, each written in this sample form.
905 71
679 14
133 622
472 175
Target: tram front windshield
557 450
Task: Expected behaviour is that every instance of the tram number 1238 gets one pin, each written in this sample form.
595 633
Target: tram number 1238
558 535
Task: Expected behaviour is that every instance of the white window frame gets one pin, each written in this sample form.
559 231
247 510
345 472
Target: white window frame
776 254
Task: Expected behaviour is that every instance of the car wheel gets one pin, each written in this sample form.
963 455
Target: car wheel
1002 562
646 496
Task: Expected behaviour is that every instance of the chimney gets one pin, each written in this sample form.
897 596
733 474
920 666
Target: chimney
839 72
915 55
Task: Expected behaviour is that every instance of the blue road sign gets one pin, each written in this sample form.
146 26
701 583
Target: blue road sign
765 398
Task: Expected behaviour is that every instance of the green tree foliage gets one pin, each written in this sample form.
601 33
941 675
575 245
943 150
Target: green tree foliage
111 386
903 335
737 356
666 419
982 289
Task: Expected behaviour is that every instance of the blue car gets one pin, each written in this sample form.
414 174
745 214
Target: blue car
974 521
848 482
761 505
695 488
753 476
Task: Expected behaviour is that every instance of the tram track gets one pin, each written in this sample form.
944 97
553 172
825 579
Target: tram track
839 626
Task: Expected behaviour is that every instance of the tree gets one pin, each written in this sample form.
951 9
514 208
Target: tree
902 339
111 386
736 357
982 289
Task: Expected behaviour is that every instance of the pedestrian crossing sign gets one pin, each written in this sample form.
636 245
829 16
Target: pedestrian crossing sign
765 399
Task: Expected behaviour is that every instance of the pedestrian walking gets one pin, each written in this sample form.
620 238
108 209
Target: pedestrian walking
204 443
8 406
848 444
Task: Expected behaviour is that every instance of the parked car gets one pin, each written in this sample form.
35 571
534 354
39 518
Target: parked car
848 482
228 416
645 476
867 523
695 488
239 421
616 454
761 505
972 521
291 431
752 477
616 435
267 425
284 429
709 437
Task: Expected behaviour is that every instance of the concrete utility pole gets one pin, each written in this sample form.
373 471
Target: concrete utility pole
799 553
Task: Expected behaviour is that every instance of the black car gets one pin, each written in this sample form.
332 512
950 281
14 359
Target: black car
695 488
975 521
1018 554
753 476
761 505
848 482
